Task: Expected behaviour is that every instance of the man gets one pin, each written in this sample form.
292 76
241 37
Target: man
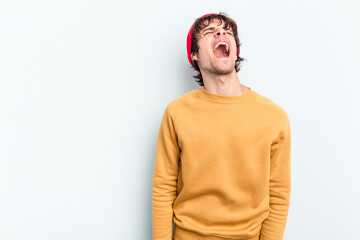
222 167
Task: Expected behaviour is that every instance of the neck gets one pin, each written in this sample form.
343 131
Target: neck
225 84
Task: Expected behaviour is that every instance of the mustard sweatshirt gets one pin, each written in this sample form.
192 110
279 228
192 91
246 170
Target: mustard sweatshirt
222 168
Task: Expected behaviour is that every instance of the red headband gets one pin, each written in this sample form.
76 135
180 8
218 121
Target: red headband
189 38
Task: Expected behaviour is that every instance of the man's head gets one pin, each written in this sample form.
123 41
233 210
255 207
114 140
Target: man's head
214 46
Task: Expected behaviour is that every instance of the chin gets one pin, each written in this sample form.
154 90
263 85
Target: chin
223 69
224 66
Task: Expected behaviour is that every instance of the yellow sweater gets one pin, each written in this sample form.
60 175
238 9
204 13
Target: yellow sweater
222 168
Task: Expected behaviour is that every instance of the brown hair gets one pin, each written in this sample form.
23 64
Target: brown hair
202 23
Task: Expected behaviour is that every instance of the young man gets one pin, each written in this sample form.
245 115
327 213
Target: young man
222 167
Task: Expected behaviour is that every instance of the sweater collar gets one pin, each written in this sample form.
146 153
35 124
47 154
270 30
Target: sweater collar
225 99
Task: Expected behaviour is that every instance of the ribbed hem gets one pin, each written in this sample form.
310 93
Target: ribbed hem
183 234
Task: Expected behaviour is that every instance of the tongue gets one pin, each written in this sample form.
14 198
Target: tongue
220 52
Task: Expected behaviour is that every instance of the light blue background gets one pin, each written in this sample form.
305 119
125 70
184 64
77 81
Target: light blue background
83 86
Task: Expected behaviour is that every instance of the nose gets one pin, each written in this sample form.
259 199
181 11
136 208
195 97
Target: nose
220 31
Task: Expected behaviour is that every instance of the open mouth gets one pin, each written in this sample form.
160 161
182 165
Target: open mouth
221 50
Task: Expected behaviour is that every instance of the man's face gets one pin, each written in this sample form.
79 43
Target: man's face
218 61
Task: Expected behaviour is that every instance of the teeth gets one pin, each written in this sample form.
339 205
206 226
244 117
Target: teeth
224 43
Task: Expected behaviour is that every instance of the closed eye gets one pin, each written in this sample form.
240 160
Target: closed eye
211 32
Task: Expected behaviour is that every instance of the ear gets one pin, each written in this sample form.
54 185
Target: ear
194 57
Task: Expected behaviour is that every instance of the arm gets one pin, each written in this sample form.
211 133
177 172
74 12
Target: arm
280 186
164 183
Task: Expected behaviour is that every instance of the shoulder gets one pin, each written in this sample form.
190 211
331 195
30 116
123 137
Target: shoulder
274 109
177 105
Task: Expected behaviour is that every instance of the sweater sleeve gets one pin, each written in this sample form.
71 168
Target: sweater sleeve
280 186
164 184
